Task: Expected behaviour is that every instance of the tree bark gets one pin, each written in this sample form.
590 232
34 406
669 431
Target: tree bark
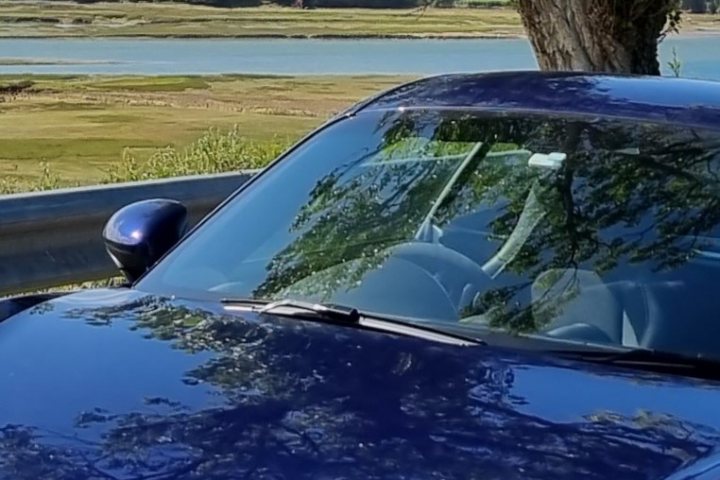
618 36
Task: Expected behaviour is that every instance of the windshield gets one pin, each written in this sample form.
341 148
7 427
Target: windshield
583 229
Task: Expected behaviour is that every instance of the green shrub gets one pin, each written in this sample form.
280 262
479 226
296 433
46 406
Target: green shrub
214 152
48 180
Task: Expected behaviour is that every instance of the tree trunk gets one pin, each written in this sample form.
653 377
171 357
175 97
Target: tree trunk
596 35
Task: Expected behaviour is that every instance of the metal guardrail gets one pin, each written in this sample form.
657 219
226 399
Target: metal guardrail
53 238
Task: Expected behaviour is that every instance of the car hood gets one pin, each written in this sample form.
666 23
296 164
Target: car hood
119 384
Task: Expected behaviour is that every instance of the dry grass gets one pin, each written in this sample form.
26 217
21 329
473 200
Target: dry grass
81 125
47 19
44 19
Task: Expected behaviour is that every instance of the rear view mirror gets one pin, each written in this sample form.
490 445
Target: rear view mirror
139 234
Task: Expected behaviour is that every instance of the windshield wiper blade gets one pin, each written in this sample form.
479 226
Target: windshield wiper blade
250 302
349 316
649 359
289 307
323 311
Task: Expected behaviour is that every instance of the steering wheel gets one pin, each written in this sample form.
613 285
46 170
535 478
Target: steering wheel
426 280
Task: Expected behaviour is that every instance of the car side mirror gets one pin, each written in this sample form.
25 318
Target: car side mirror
139 234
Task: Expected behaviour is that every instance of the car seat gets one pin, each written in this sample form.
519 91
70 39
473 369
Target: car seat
577 305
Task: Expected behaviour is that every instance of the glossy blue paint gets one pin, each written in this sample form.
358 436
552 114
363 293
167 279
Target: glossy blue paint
123 384
12 305
120 384
137 235
665 100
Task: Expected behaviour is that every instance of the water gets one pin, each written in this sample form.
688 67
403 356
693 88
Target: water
700 56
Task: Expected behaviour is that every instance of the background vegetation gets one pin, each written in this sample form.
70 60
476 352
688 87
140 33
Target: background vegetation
171 19
330 3
68 130
697 6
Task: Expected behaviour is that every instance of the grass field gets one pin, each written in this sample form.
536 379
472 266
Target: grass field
43 19
79 126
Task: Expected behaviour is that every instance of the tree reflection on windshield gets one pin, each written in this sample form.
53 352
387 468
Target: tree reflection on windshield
630 202
586 229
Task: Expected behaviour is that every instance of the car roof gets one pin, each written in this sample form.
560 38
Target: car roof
656 99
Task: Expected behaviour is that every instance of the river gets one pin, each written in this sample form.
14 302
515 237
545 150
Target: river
700 56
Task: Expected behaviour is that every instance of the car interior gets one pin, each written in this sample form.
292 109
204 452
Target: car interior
635 307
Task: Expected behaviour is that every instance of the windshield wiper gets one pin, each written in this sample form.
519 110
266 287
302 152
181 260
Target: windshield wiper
297 308
648 359
351 317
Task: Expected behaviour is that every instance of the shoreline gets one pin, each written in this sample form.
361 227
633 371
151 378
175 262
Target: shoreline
350 37
27 61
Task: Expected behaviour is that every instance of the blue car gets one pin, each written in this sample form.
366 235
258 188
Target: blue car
500 276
